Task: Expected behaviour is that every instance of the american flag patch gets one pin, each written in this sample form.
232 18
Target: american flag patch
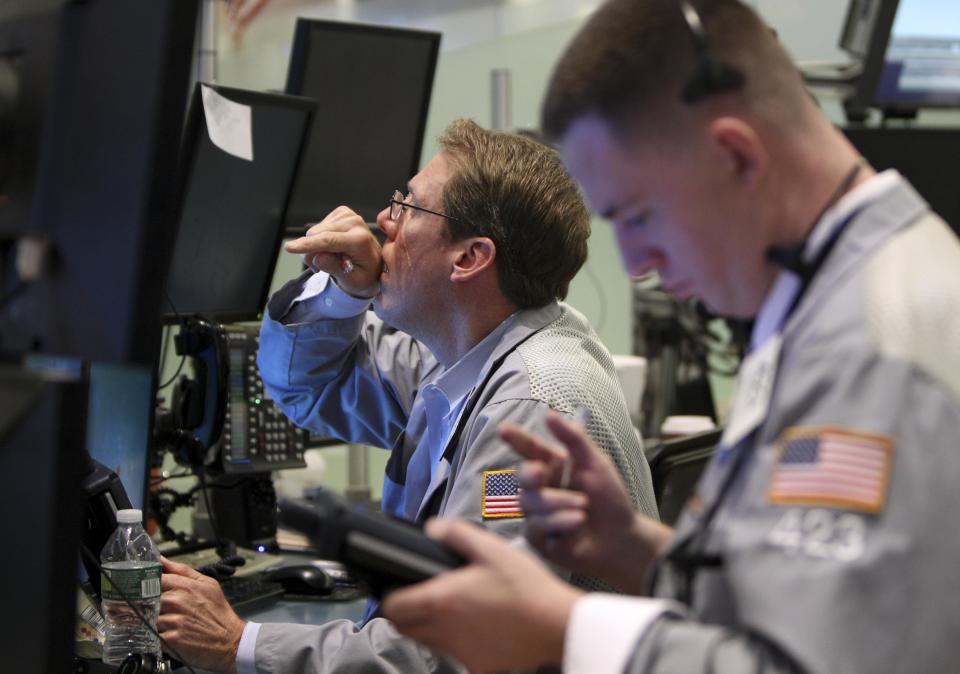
501 494
832 467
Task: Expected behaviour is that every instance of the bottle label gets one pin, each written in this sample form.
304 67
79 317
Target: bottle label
134 584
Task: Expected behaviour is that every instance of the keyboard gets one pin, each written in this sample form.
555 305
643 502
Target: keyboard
251 592
254 562
245 589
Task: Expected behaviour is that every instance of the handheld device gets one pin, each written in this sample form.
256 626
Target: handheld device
383 553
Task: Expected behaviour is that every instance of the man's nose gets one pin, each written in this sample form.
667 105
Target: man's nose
386 225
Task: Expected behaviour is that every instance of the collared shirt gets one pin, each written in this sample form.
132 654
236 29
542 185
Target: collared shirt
443 401
604 629
322 299
773 313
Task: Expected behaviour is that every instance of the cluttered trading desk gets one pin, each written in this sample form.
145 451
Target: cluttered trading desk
314 612
302 610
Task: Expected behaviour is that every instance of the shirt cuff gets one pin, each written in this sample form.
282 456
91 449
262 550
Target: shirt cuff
604 629
321 300
246 651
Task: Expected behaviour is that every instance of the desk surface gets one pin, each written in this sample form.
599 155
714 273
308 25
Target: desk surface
307 612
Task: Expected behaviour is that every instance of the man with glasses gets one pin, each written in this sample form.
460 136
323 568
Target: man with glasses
467 332
822 537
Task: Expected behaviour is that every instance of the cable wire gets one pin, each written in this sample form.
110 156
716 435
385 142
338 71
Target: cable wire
183 358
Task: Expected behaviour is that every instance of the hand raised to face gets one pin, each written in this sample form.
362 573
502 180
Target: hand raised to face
343 246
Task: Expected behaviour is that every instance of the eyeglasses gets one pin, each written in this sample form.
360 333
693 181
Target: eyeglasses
398 203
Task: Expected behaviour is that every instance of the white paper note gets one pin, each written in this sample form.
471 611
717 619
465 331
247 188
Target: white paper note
228 124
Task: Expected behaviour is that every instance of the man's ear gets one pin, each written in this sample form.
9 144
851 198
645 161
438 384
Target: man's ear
742 148
473 256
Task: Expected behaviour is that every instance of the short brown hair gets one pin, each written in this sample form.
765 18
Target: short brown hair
633 58
516 192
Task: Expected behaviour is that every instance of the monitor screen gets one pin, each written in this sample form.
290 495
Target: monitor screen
926 157
119 415
87 168
92 93
241 150
372 86
921 66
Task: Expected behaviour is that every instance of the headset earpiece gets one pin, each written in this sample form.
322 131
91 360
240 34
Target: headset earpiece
711 77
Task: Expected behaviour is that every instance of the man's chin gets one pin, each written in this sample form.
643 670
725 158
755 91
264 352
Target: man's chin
382 312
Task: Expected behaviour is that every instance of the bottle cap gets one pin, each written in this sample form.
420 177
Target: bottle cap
129 516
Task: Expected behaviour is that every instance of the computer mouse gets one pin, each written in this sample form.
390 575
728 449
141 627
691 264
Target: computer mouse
304 579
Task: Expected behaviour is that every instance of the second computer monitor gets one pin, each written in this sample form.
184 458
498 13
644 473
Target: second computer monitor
921 66
909 51
241 150
372 86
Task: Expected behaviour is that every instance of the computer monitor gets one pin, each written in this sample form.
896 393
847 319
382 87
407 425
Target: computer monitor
119 417
241 151
859 26
910 51
90 170
372 85
91 95
927 157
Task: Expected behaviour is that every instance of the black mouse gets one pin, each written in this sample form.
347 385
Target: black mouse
303 579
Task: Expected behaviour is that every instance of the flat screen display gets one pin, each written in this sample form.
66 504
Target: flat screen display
372 85
241 150
921 67
119 416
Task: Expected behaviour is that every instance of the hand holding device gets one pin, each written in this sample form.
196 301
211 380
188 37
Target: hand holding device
587 525
383 553
504 611
196 619
343 246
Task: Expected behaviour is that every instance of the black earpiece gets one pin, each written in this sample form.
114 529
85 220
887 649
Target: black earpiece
712 76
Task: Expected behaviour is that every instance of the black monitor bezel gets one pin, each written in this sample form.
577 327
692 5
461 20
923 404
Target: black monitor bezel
865 92
97 105
299 57
194 125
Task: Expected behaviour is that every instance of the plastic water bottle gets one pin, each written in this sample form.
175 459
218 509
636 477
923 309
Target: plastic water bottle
131 568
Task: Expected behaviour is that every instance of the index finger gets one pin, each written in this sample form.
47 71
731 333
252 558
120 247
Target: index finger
178 569
340 219
322 242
